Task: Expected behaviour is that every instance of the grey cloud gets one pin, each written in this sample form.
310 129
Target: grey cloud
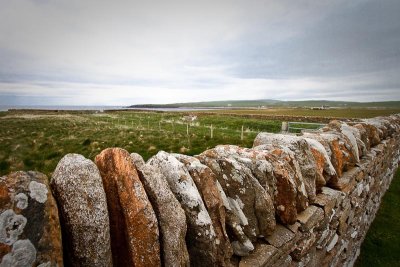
203 50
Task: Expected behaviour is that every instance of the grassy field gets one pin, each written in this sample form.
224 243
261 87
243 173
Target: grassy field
37 141
381 246
337 113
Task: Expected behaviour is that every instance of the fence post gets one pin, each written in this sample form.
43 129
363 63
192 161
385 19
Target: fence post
187 128
241 134
285 126
212 132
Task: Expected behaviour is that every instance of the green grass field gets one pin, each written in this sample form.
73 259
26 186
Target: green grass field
381 246
38 140
330 113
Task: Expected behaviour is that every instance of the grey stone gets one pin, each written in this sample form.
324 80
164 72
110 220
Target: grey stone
171 217
78 189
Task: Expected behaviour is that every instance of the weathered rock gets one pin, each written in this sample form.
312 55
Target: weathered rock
201 238
243 190
363 135
30 232
206 183
255 160
373 133
304 157
281 236
133 224
385 128
339 148
348 132
310 218
261 256
78 189
286 170
171 217
324 165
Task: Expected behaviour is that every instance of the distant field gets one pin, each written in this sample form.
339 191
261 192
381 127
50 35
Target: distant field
339 113
38 140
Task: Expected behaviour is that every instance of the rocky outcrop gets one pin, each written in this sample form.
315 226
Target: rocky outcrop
133 224
201 242
30 233
171 217
77 186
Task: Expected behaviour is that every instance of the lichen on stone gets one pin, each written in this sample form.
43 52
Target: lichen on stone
21 201
23 253
11 226
38 191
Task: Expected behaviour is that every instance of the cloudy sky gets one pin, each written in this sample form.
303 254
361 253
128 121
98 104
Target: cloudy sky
121 52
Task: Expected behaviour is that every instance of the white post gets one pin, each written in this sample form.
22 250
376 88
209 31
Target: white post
212 132
187 128
285 126
241 134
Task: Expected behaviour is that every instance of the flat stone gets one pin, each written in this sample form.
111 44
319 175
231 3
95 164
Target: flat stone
133 223
303 245
310 217
206 183
30 230
327 202
304 157
171 217
77 186
284 261
261 256
245 193
201 237
280 236
333 242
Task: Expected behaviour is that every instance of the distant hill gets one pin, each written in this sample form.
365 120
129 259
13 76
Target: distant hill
273 103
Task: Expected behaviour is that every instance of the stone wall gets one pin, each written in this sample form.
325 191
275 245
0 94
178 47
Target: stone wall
290 200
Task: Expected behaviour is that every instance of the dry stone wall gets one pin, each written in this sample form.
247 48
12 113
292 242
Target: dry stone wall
304 200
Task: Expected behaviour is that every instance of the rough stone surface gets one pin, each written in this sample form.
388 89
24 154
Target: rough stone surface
30 231
77 186
290 195
310 217
260 257
201 241
171 217
133 224
206 183
304 156
281 236
339 149
244 192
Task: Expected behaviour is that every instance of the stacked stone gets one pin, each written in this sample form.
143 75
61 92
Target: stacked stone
30 233
290 200
364 157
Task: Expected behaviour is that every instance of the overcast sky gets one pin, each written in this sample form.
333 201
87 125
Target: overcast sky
121 52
